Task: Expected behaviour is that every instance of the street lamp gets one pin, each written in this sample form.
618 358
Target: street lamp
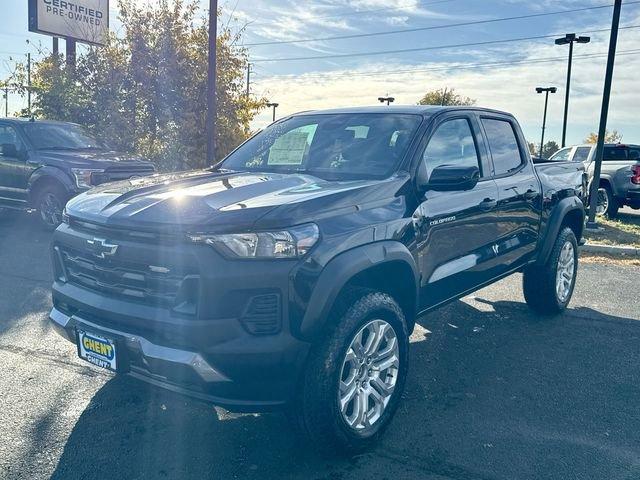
389 100
546 91
569 38
274 105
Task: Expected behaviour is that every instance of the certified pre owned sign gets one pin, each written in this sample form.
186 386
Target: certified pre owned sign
83 20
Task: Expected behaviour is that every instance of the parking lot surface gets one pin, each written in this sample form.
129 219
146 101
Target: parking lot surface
493 393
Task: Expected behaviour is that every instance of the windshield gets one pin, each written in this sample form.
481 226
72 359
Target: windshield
339 147
48 136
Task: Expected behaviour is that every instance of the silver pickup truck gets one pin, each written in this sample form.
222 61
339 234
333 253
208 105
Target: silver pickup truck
620 176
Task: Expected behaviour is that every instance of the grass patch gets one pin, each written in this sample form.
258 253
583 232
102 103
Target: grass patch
624 230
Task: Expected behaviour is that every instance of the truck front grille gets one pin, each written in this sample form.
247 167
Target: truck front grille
157 285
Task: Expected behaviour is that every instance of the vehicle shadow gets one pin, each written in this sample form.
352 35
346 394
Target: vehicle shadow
494 392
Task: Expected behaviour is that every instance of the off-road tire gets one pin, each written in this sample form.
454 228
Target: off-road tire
539 281
315 411
612 204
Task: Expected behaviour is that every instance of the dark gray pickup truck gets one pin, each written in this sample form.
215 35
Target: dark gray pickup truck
291 275
45 163
619 178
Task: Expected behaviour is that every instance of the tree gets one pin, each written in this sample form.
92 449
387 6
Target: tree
445 96
548 149
145 91
609 137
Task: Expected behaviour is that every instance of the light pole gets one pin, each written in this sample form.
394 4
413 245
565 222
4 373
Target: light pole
569 38
274 106
387 99
604 112
546 91
211 83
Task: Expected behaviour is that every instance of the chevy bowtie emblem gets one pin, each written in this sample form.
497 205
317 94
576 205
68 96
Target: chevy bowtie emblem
100 248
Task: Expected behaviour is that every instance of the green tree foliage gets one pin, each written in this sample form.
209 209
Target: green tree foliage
609 137
145 91
445 96
548 149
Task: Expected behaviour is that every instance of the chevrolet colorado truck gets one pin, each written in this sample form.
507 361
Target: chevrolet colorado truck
44 163
619 178
291 274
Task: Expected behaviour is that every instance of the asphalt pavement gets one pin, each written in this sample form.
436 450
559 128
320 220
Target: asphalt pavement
494 392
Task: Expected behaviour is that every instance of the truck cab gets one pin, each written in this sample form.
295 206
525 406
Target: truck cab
44 163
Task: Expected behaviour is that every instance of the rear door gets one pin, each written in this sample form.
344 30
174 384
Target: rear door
519 191
455 230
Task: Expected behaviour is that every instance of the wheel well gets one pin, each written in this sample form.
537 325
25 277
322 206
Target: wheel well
394 278
605 183
574 219
41 183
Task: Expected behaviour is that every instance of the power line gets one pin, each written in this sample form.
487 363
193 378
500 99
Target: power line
356 73
422 49
433 27
368 11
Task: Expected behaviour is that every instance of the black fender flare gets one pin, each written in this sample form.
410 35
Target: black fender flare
560 212
343 268
46 174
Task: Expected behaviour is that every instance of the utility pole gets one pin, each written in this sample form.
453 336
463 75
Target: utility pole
595 183
248 78
544 117
29 83
6 101
56 48
569 38
211 83
444 96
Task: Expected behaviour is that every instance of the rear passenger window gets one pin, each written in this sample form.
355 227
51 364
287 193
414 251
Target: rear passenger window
451 144
582 153
503 145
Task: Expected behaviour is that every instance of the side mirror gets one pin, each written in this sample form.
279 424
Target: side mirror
9 150
451 178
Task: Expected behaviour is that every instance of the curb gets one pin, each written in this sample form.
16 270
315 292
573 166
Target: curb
610 249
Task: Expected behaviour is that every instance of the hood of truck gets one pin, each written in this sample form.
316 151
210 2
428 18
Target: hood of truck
102 159
206 201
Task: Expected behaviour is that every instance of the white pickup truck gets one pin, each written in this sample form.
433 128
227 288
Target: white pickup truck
619 178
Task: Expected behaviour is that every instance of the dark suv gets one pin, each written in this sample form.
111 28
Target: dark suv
44 163
291 274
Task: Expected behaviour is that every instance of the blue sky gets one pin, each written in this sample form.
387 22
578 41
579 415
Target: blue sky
358 80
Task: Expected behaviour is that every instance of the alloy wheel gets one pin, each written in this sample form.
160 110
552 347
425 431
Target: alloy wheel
51 209
603 202
565 271
369 375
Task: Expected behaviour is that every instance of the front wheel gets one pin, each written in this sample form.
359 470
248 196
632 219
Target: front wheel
548 288
355 377
50 202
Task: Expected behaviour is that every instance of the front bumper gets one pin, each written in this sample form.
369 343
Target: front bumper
249 387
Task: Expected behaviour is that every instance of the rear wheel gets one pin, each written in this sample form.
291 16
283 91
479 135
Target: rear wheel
355 377
607 204
50 202
548 288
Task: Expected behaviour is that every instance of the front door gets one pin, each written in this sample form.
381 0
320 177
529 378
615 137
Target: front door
13 167
455 231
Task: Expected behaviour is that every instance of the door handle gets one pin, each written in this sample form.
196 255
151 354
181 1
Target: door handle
530 194
488 204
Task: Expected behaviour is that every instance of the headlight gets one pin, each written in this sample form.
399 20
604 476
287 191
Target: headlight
83 176
293 242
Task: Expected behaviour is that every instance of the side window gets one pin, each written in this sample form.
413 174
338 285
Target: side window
503 145
451 144
582 154
10 143
615 154
561 155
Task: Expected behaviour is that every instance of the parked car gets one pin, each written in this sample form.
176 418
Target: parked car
619 178
44 163
291 275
